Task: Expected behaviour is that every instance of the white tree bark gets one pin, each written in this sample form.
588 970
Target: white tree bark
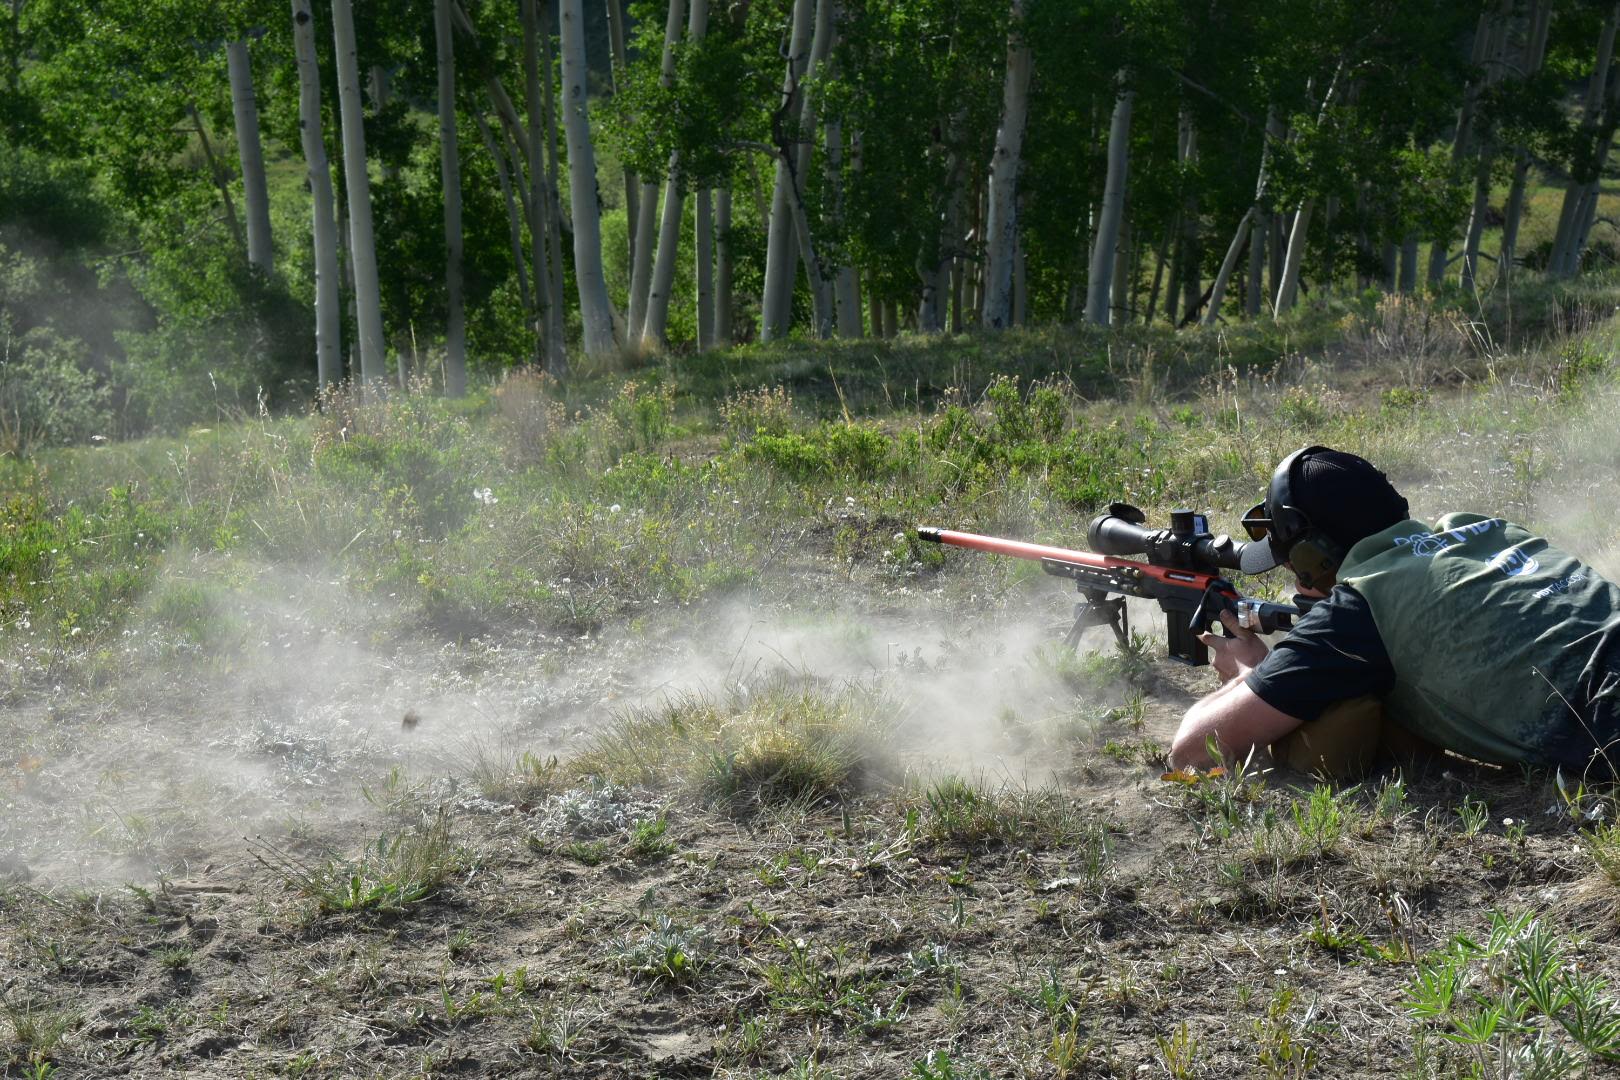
328 322
621 62
821 292
776 307
641 266
549 311
455 333
1288 290
1245 229
1565 248
1001 228
595 310
846 288
1485 152
554 210
1113 209
514 220
662 288
1535 56
255 191
703 243
1463 136
362 240
723 287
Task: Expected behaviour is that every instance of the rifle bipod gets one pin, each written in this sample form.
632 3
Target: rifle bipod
1097 609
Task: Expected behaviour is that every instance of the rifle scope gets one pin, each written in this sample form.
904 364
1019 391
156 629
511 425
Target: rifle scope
1186 544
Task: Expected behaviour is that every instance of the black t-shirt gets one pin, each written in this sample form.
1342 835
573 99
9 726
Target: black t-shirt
1333 653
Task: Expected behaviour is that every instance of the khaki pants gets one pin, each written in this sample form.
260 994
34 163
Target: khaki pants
1345 741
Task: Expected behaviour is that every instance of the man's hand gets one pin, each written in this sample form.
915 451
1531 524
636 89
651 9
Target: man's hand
1234 656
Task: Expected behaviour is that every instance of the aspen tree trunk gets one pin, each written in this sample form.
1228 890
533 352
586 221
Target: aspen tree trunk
1392 266
776 307
1259 230
1565 253
216 172
549 312
1248 229
1001 225
703 241
875 304
724 298
1192 284
1218 292
1588 208
382 94
956 295
1513 213
328 328
1485 152
595 310
1159 265
1409 264
1462 138
821 292
647 221
554 218
1277 250
1113 206
1288 290
1172 294
662 284
455 334
703 217
621 64
362 240
846 287
1120 284
1020 282
255 191
514 222
973 271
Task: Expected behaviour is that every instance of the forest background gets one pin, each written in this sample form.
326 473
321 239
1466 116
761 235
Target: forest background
227 205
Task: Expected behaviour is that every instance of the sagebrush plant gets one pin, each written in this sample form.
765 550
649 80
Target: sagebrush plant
665 954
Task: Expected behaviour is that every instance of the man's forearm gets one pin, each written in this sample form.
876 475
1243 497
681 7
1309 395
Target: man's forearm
1237 718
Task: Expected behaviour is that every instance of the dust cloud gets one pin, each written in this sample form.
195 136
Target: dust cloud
301 707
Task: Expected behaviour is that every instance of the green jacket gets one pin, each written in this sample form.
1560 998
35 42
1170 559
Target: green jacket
1500 642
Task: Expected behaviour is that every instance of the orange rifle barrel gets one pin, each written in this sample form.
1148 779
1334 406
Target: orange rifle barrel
1020 550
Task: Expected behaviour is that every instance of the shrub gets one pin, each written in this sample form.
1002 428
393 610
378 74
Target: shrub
46 394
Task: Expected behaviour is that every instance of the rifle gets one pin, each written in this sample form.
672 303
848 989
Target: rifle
1182 572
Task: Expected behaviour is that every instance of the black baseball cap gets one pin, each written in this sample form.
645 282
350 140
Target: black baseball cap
1341 495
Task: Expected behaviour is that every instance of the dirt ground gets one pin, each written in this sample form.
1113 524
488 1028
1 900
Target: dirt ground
160 835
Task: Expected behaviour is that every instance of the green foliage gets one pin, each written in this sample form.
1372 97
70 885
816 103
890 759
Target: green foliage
770 745
1516 1001
394 872
666 955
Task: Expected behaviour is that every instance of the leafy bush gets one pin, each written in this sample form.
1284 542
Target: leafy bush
46 394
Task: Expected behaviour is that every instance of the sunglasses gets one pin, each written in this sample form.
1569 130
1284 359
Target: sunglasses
1257 523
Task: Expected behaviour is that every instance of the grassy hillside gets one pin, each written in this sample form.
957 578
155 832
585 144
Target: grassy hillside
623 728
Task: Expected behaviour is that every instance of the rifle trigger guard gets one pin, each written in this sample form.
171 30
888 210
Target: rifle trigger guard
1212 598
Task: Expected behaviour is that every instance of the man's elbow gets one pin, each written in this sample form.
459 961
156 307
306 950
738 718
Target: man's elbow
1190 748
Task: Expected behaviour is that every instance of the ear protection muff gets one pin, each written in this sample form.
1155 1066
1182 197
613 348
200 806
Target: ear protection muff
1314 556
